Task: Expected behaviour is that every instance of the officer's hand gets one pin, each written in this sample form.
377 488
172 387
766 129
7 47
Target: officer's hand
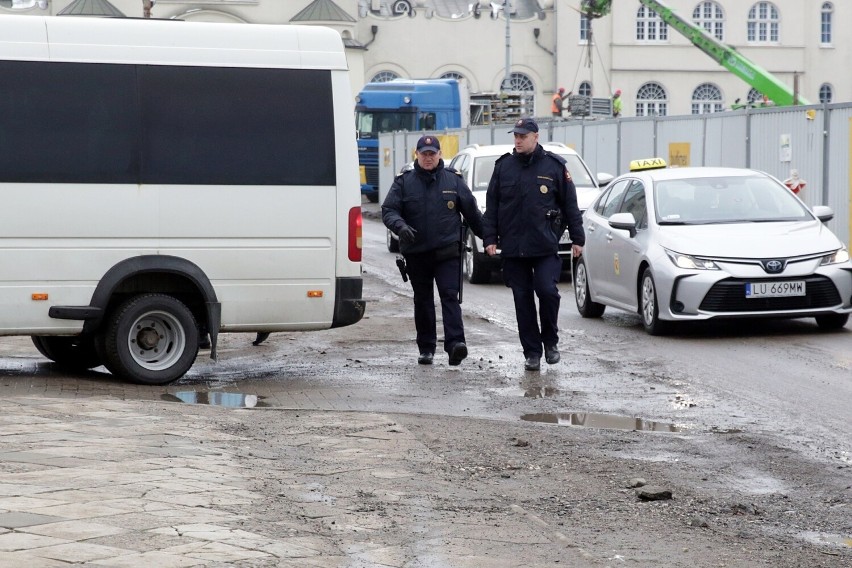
491 250
577 251
407 235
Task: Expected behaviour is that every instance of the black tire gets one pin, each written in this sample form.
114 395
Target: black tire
476 268
832 321
582 292
648 306
73 353
392 243
151 339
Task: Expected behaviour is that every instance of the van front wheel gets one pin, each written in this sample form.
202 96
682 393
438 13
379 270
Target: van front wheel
151 339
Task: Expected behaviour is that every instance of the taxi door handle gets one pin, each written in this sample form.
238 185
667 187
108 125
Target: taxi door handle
609 236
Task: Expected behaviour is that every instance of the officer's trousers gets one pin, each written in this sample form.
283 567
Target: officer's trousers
426 274
530 277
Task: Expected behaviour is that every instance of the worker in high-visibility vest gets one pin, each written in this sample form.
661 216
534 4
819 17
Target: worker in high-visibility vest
616 104
556 102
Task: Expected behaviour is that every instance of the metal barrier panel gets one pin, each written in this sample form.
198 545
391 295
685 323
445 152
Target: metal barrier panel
570 134
638 141
392 156
815 140
725 140
839 171
482 135
680 140
785 139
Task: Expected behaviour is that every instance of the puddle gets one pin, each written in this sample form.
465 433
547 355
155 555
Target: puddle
541 392
824 538
225 399
716 430
604 421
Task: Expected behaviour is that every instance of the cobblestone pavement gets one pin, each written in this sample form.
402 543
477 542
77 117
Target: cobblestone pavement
117 483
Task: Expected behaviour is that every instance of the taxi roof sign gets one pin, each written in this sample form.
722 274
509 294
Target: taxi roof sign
647 164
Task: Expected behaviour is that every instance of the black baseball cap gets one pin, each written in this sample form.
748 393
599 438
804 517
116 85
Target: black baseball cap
428 144
525 126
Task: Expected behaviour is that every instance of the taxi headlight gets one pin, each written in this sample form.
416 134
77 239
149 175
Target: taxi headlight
837 257
691 262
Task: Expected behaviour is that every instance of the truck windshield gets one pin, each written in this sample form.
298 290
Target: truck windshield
371 123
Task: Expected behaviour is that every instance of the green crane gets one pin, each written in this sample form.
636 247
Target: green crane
756 76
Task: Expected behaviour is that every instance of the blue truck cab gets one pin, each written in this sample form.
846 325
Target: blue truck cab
402 104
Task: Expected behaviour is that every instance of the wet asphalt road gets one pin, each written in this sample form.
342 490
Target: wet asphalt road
782 377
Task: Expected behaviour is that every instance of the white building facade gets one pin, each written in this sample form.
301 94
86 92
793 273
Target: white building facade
551 44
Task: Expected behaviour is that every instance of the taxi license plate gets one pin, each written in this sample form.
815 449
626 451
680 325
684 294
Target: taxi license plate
775 289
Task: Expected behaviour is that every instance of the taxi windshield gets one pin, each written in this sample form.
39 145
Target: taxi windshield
732 199
579 172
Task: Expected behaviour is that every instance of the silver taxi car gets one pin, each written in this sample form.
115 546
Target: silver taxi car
682 244
476 164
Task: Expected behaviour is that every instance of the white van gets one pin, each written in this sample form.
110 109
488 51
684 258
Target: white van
162 180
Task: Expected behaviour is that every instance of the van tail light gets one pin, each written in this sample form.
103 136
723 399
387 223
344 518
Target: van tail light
356 228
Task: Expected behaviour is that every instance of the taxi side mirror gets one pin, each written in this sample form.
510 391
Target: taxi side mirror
624 222
823 213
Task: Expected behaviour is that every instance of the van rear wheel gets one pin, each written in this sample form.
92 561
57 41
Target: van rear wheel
73 353
151 339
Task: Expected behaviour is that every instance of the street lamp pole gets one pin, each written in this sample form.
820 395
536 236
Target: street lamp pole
507 13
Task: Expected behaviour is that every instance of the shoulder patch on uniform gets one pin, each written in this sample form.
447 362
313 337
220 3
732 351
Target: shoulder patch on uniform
454 171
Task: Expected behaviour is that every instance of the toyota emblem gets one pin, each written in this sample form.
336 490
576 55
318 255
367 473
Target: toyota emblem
773 266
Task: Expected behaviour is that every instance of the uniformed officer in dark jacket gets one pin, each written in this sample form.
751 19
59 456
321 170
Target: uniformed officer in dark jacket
531 199
424 207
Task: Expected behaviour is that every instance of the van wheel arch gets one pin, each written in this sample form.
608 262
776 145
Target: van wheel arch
171 275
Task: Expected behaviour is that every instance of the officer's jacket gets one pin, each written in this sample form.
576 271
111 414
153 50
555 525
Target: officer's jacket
431 204
529 203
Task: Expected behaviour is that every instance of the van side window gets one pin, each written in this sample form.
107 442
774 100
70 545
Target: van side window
89 131
188 139
68 123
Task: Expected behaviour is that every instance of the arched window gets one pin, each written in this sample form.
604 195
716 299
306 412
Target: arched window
706 98
709 15
649 26
763 23
825 23
754 96
585 89
826 93
521 83
384 77
756 99
651 100
518 82
453 75
24 4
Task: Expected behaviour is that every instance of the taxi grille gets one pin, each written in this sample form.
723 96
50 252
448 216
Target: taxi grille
729 296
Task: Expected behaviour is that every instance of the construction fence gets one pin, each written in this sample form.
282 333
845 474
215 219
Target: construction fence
816 141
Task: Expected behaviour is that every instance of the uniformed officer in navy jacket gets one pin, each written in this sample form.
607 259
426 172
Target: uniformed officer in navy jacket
425 206
531 199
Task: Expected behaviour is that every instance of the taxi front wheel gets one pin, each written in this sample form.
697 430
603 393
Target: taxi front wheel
582 292
648 306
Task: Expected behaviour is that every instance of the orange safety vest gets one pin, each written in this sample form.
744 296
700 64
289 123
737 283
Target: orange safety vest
553 106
